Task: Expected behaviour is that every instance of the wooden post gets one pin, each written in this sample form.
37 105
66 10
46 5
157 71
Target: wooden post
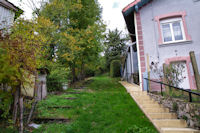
15 106
21 113
195 69
164 77
148 71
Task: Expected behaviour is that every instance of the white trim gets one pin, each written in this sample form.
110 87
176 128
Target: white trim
177 42
170 22
138 51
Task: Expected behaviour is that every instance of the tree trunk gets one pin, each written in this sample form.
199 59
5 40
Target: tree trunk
15 106
73 73
35 100
21 113
32 110
82 71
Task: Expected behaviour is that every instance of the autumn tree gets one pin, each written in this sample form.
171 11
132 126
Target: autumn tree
80 31
24 50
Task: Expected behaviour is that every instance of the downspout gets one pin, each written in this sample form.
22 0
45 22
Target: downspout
131 60
131 65
126 71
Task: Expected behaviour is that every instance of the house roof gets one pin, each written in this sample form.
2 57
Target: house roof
8 5
134 6
128 13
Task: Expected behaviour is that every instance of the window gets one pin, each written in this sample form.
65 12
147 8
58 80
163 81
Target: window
172 30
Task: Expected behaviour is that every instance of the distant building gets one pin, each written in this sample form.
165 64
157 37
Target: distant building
7 14
165 32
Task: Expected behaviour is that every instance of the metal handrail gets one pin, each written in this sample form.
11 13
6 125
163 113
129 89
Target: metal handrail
178 88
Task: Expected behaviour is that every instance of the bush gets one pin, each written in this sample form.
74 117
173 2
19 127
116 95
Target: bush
89 72
57 77
115 66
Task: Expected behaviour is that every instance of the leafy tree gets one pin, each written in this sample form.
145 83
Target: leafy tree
79 32
115 46
24 50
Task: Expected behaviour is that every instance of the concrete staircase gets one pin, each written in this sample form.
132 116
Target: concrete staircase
163 120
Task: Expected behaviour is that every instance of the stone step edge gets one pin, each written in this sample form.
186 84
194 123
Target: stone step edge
163 113
179 129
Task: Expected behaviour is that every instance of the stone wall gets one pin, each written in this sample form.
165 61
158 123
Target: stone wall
184 110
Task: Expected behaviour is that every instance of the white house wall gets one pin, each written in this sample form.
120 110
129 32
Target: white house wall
150 28
159 53
6 17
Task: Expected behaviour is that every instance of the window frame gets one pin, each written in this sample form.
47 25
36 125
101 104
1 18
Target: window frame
170 21
172 15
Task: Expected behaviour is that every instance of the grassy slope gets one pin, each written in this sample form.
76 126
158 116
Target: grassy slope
105 107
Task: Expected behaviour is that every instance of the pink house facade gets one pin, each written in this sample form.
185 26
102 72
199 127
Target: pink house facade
165 32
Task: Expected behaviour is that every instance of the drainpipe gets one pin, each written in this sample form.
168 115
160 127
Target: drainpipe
132 67
126 71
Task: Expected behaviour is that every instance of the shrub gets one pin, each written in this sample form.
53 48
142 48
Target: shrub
175 106
57 77
115 68
89 72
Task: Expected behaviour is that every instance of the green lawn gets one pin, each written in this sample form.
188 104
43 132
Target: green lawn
103 107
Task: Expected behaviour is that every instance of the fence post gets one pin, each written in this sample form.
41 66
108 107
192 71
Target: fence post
145 83
195 68
190 97
161 89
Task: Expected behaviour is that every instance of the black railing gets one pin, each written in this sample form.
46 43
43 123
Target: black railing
190 93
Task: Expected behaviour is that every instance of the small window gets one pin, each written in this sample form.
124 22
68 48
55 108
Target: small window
172 30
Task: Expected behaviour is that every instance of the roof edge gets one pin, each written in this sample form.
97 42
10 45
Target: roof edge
9 5
136 5
131 5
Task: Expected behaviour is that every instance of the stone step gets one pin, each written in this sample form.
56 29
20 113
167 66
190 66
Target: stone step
139 95
146 102
162 115
139 92
142 98
170 123
179 130
156 110
141 102
154 105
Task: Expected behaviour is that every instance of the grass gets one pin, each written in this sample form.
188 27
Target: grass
103 107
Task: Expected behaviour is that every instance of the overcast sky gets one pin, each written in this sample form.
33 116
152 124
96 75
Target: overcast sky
112 12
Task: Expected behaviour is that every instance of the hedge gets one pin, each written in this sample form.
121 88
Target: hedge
115 68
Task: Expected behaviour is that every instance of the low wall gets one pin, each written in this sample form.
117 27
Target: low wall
184 110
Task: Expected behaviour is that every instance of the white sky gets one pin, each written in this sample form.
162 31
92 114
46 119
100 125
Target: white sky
112 12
